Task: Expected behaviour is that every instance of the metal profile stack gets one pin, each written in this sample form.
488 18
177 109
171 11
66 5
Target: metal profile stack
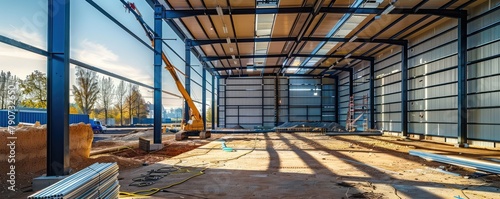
458 161
99 180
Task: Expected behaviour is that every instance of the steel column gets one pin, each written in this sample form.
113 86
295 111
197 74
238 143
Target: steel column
218 101
337 108
58 88
262 101
462 79
320 99
204 97
213 102
187 79
351 82
157 73
404 90
372 94
276 100
225 103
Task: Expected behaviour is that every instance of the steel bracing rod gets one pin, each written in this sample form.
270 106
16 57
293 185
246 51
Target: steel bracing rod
171 14
98 8
282 39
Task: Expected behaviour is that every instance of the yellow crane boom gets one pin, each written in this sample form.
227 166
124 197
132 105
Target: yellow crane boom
195 126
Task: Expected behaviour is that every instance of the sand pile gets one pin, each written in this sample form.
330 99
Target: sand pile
31 145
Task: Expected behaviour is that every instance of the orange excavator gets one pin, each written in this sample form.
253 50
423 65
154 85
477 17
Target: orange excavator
195 126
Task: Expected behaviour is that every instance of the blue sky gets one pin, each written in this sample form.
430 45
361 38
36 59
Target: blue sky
95 40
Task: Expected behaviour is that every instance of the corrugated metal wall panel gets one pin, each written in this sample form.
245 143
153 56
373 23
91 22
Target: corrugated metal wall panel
40 116
484 131
389 126
484 115
244 101
484 68
484 37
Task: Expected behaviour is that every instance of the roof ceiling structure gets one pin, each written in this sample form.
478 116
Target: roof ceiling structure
300 37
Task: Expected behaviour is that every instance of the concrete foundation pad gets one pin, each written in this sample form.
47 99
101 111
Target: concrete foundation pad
463 145
155 147
43 182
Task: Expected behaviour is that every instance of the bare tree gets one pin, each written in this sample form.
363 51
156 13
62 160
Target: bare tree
86 90
131 100
4 83
8 97
121 92
107 91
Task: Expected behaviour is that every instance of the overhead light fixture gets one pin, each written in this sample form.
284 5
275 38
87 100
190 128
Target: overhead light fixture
353 38
235 62
224 28
234 57
228 40
219 11
377 17
388 9
347 56
231 49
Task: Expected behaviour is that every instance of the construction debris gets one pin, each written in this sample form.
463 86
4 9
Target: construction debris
459 161
310 127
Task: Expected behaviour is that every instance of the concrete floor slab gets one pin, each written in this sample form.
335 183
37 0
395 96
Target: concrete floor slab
308 165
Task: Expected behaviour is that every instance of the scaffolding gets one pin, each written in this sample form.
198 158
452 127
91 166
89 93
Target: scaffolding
351 114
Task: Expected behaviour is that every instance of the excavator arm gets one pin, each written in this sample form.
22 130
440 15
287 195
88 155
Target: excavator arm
196 124
170 68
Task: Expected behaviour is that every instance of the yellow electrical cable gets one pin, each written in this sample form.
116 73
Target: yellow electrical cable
149 192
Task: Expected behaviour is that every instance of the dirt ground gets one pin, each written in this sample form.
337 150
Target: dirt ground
305 165
286 165
127 156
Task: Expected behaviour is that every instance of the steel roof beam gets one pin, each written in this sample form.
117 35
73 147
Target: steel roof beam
213 58
171 14
261 67
284 39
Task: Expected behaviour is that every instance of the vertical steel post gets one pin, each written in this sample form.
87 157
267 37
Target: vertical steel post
157 73
225 103
58 88
462 79
372 94
351 82
404 89
218 101
187 79
213 101
262 101
276 100
204 97
320 93
337 105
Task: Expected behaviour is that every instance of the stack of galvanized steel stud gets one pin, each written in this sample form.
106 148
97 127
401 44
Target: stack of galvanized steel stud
99 180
